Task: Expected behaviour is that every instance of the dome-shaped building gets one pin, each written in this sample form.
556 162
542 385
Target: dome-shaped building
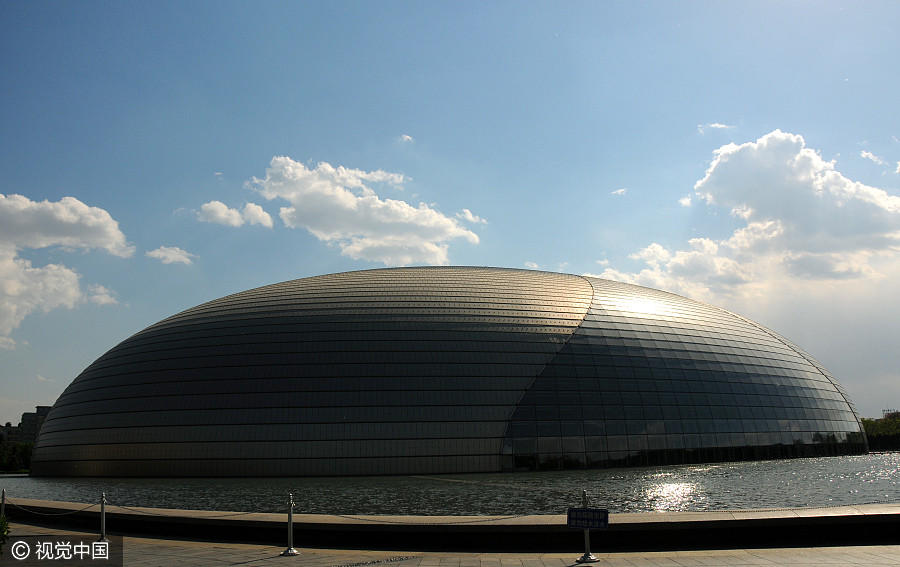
439 370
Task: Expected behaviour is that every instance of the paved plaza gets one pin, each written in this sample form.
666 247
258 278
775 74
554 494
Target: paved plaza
152 552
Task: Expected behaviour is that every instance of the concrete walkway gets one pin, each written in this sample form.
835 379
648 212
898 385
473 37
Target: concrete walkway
150 552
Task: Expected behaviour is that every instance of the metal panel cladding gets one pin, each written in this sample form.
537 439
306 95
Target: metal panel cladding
442 369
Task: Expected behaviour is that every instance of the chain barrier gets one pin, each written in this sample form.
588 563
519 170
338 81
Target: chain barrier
22 508
136 511
460 522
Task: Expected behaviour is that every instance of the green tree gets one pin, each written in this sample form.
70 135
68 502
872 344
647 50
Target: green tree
884 433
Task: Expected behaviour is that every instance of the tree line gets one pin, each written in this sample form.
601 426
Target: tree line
884 433
15 457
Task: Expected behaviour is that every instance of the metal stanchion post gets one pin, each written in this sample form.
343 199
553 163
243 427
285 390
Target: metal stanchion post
3 504
588 557
102 517
290 548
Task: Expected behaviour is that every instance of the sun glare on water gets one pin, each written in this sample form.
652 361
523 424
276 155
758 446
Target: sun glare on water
670 495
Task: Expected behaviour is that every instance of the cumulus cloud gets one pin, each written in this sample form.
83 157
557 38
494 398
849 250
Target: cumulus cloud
67 223
406 138
619 192
254 214
101 295
468 216
219 213
800 218
338 206
685 201
25 289
898 168
171 255
778 179
532 265
871 157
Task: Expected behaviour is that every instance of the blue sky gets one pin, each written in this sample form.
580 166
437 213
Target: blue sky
158 155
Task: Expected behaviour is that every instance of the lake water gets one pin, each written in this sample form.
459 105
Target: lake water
827 481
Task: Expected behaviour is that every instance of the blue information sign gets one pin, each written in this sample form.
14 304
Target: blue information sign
588 518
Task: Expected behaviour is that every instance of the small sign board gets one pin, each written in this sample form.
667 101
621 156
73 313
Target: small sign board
588 518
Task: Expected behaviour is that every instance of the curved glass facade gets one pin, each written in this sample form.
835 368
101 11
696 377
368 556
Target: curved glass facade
442 369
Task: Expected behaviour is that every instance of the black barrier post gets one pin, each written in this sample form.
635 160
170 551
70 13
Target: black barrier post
3 504
290 548
102 517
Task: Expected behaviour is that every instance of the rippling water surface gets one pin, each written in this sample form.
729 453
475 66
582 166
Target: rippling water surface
827 481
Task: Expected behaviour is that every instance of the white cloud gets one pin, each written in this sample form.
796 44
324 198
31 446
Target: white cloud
898 167
742 211
219 213
171 255
27 224
44 379
68 223
871 157
25 289
701 128
685 201
406 138
468 216
395 250
532 265
619 192
801 219
101 295
777 178
254 214
337 206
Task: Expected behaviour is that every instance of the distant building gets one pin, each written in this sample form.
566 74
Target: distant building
28 428
443 370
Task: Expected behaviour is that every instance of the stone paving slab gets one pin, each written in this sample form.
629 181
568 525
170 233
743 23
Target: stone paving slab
158 552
